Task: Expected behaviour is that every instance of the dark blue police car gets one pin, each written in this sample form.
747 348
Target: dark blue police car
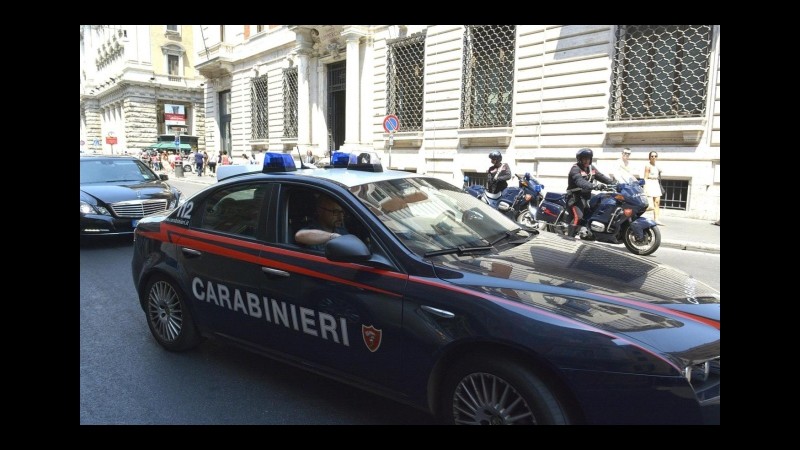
434 299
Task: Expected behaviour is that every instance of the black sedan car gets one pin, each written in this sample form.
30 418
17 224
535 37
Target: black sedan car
431 298
117 191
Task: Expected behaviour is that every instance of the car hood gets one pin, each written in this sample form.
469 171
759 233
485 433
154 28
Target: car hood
127 191
592 283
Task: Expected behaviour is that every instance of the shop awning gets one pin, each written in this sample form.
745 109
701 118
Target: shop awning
169 146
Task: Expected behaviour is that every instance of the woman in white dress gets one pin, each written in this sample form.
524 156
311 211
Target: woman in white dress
652 187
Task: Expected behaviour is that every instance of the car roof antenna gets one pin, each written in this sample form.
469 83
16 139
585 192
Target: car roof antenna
299 156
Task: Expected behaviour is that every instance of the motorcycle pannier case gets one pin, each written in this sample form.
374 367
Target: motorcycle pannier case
549 212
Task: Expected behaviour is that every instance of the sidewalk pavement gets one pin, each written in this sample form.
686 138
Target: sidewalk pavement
676 232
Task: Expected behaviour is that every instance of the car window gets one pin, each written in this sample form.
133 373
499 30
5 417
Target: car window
234 210
301 212
428 214
114 171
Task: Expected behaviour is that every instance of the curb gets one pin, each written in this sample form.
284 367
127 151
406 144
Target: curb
693 246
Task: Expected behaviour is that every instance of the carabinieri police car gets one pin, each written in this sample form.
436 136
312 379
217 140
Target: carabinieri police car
433 299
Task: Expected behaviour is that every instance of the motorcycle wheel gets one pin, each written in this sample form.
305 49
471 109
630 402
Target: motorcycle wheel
645 246
524 218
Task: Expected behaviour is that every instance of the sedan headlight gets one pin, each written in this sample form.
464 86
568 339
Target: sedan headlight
86 208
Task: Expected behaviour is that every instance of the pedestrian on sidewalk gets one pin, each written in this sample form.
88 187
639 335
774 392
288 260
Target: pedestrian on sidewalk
622 169
205 161
212 162
652 185
198 162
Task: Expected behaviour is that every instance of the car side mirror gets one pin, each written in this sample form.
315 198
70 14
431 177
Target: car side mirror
641 181
163 177
349 248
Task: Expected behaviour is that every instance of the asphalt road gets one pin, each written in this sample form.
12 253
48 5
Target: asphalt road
126 378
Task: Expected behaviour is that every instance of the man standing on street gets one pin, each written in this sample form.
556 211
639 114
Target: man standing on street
198 162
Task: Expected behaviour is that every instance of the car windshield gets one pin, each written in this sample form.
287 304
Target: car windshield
115 170
430 216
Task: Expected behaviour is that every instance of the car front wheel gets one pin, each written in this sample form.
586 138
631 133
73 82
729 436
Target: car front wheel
168 317
497 391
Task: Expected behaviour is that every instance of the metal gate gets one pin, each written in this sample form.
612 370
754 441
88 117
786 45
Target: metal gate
336 104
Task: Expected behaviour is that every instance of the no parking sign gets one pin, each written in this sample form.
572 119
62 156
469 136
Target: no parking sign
391 123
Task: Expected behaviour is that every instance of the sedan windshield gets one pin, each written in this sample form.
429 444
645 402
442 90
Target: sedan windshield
115 170
432 217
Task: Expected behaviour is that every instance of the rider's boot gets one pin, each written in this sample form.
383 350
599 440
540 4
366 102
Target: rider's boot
571 229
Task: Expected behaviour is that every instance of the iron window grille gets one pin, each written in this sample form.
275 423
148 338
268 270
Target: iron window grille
259 113
488 87
676 194
405 80
290 102
660 71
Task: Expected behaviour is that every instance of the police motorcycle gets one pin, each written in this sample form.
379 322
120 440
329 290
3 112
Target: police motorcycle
614 216
517 203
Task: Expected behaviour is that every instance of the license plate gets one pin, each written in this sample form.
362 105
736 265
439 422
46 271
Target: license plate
134 223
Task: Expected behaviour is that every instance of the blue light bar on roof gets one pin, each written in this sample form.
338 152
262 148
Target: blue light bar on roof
278 162
365 161
340 159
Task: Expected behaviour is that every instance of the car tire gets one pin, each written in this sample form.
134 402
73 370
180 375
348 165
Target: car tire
488 390
168 318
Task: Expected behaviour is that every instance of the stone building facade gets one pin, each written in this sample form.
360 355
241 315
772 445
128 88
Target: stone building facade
537 93
129 76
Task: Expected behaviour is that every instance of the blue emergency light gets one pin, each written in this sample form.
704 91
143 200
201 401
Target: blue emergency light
364 161
340 159
278 162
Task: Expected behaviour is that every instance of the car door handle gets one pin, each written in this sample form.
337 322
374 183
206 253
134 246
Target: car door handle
190 252
438 312
276 272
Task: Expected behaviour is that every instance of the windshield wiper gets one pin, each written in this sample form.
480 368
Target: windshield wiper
508 235
461 250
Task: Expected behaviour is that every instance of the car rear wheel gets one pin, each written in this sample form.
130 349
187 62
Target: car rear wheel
496 391
168 318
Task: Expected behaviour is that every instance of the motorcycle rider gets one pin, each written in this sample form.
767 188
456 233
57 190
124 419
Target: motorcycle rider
498 173
583 175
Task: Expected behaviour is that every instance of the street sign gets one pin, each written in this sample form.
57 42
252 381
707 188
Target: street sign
111 140
391 123
82 143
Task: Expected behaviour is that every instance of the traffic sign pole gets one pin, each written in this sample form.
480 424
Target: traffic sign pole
391 124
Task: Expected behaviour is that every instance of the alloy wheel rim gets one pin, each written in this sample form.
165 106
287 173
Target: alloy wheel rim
164 311
645 242
485 399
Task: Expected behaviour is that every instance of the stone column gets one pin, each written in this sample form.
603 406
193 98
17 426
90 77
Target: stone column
93 132
304 49
367 100
353 102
